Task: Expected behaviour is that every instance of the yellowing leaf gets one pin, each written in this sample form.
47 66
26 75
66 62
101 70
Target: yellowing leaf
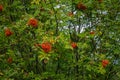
1 74
35 2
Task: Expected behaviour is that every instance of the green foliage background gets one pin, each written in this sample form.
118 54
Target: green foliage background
57 27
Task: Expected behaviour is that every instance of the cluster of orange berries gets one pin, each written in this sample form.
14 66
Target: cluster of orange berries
105 63
10 60
1 8
46 46
74 45
82 6
33 22
8 32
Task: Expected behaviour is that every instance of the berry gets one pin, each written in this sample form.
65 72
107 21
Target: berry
81 6
9 60
46 47
105 63
92 32
33 22
74 45
70 14
8 32
1 8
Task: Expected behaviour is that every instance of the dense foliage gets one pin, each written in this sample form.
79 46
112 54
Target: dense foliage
60 40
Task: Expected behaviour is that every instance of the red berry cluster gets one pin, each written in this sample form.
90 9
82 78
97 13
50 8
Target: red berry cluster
9 60
92 32
105 63
33 22
1 7
8 32
74 45
46 47
81 6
